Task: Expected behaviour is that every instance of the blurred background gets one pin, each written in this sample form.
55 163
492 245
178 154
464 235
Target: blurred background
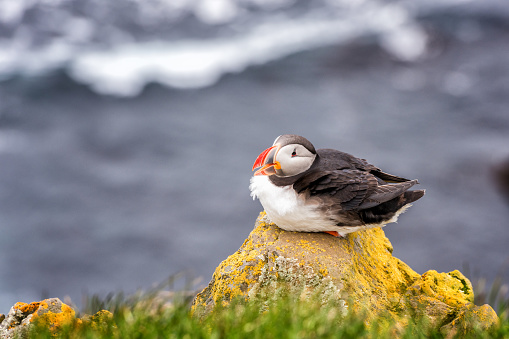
128 129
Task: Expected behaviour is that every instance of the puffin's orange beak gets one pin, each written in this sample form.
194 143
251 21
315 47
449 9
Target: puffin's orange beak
266 161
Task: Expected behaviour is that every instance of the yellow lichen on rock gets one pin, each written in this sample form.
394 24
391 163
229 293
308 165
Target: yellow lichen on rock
98 322
451 288
48 313
27 308
468 318
359 270
53 314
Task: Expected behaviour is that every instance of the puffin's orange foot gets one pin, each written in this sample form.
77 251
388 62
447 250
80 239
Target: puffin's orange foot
334 233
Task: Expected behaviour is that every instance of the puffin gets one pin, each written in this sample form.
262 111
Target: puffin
326 190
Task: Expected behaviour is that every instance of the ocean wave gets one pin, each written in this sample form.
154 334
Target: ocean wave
114 52
125 69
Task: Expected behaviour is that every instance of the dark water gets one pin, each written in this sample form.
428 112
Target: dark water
101 194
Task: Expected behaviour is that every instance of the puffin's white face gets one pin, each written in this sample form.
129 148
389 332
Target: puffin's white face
293 159
284 160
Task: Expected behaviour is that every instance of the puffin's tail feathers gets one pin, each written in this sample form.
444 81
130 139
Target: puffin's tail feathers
388 211
411 196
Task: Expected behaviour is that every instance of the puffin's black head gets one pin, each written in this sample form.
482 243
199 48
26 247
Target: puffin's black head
289 155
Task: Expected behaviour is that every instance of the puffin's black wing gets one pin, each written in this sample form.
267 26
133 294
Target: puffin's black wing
364 165
331 159
351 189
386 176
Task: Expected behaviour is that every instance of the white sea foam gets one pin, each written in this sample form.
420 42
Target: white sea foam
125 66
125 69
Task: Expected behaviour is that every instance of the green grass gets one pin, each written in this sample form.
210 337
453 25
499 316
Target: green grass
163 314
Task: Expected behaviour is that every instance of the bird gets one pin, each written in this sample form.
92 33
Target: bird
306 190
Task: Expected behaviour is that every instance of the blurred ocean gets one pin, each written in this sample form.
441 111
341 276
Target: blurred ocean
128 129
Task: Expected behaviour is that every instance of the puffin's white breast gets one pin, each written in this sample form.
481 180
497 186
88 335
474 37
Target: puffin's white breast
287 209
292 212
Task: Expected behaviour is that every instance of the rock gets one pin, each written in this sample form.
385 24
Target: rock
358 270
51 313
468 318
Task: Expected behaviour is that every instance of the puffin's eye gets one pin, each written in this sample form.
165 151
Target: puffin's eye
294 153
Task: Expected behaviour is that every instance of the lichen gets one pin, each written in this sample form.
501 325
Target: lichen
359 271
26 308
53 314
48 313
451 288
98 322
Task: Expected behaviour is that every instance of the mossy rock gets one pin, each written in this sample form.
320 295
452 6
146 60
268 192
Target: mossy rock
50 313
359 271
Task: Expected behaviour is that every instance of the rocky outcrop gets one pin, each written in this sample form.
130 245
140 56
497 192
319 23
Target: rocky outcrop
359 271
50 313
